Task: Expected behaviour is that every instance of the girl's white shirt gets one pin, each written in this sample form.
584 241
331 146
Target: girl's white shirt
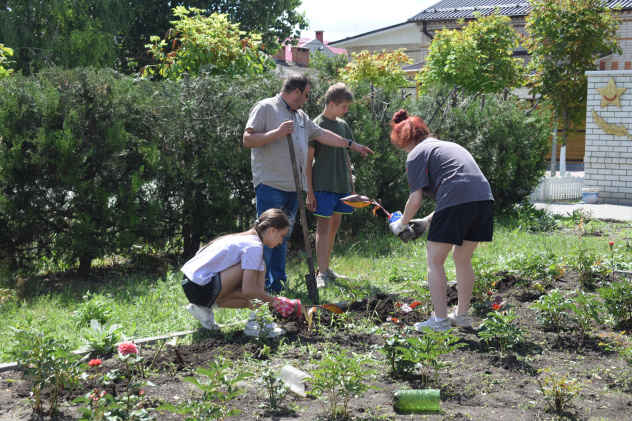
224 253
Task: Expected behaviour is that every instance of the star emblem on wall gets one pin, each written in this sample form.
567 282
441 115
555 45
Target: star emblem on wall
611 94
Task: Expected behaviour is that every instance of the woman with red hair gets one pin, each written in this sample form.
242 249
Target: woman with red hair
464 213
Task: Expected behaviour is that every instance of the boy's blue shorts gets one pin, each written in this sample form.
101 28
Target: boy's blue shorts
328 202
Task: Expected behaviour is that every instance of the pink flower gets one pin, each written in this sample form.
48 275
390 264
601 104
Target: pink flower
127 348
141 393
94 363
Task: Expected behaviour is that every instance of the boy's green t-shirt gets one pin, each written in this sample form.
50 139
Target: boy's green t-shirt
331 171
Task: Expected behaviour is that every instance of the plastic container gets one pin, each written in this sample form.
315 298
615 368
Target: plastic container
294 378
415 400
590 195
394 217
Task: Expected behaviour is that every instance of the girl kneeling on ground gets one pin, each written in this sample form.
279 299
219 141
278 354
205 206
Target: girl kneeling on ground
229 272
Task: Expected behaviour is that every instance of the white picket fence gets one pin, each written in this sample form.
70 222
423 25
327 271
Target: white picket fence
567 187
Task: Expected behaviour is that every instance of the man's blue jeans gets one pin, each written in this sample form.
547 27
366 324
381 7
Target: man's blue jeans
268 198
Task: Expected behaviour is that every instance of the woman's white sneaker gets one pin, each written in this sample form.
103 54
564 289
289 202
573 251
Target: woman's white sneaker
434 324
460 320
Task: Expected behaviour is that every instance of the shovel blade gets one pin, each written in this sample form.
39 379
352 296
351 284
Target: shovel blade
357 201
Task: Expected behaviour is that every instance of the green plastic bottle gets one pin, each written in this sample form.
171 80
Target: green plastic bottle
427 400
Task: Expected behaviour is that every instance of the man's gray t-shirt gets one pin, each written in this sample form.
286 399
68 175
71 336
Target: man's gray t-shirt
447 174
271 164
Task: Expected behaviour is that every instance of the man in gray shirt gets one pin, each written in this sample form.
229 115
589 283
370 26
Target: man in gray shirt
271 121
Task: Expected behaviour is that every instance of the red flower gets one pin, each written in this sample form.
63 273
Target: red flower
141 393
489 293
496 306
94 363
127 348
611 243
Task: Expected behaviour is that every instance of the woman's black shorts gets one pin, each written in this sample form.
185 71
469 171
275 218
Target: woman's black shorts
202 295
472 221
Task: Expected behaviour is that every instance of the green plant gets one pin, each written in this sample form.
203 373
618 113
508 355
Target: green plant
94 307
477 55
276 390
218 390
128 405
589 265
617 299
392 350
340 376
47 362
558 390
619 343
197 40
102 339
426 351
499 326
552 309
263 317
4 52
583 310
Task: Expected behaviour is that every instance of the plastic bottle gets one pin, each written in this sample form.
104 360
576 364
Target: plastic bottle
294 378
417 400
394 217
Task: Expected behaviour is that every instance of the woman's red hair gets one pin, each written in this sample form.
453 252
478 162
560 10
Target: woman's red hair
407 130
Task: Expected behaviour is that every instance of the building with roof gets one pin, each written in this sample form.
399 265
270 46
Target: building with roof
416 34
299 54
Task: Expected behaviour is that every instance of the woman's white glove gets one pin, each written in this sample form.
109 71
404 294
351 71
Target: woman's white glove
397 227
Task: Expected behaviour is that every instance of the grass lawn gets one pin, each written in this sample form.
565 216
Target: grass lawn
146 303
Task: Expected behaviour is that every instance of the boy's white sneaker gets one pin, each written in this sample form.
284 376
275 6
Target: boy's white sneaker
204 315
434 324
333 275
272 330
322 280
460 320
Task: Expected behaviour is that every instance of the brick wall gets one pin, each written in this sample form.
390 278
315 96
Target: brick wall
608 158
300 56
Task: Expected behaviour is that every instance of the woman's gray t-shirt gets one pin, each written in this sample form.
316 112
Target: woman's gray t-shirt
447 174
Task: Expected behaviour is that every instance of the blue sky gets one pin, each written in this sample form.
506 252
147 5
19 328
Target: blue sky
346 18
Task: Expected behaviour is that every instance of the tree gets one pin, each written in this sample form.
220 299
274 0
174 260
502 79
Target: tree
4 52
75 168
113 33
64 33
213 41
478 58
382 70
565 40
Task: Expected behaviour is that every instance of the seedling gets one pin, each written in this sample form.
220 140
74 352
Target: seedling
558 390
339 377
276 390
394 354
499 327
218 389
426 351
552 310
47 362
584 309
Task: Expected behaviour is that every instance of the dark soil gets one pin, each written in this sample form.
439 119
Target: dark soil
479 384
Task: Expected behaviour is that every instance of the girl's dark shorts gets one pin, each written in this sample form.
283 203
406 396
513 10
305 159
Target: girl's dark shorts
472 221
202 295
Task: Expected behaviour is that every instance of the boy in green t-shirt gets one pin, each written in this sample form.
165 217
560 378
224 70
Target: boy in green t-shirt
329 179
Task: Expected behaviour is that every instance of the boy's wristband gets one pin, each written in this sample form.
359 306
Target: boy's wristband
350 142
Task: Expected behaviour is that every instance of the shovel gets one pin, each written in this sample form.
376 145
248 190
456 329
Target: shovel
310 279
